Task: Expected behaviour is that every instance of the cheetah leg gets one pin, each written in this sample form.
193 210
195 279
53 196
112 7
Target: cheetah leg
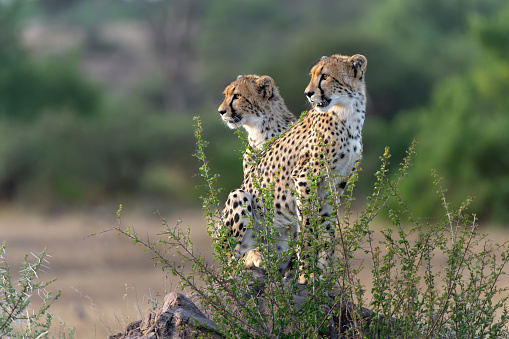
327 231
300 178
324 232
237 215
309 235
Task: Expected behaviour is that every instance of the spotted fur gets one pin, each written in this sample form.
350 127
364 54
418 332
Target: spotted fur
331 131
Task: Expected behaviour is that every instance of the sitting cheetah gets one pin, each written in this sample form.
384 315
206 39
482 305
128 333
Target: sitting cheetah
332 129
254 103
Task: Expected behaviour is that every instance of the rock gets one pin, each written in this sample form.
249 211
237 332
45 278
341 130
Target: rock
178 318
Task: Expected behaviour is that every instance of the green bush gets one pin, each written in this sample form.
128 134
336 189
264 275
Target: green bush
17 317
412 295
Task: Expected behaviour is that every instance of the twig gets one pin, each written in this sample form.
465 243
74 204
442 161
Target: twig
218 307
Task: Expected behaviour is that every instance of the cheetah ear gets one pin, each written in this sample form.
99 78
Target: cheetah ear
265 86
359 63
240 76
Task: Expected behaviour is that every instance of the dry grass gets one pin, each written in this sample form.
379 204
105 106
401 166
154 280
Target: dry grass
106 282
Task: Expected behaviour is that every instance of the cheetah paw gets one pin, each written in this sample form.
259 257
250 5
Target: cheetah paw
303 280
253 258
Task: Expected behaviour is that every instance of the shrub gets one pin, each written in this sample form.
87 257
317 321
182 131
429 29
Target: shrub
17 318
411 295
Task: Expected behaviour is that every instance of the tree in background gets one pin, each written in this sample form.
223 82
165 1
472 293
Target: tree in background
30 87
463 131
175 33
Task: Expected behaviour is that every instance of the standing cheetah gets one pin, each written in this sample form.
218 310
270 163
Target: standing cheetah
331 130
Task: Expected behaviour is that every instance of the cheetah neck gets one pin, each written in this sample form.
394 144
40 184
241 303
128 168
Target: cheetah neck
269 124
352 116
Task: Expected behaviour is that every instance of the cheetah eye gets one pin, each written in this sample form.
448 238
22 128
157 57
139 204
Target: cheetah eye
236 96
325 76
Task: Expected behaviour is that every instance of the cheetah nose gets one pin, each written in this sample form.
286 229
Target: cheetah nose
222 111
309 94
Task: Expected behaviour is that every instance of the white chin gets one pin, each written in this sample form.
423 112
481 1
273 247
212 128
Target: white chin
233 125
322 109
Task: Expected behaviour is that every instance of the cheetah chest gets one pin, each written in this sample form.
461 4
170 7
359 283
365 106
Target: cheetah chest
346 155
341 138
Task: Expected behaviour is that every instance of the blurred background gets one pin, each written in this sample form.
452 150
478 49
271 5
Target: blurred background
97 98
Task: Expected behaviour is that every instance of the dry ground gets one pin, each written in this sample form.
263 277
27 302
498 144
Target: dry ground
105 280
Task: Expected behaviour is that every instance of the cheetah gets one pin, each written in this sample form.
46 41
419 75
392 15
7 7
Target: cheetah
254 103
331 130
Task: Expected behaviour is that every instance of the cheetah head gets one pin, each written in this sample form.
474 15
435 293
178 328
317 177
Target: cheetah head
336 80
246 100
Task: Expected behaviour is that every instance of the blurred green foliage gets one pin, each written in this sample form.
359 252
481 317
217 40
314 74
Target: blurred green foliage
64 158
28 87
437 70
463 130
